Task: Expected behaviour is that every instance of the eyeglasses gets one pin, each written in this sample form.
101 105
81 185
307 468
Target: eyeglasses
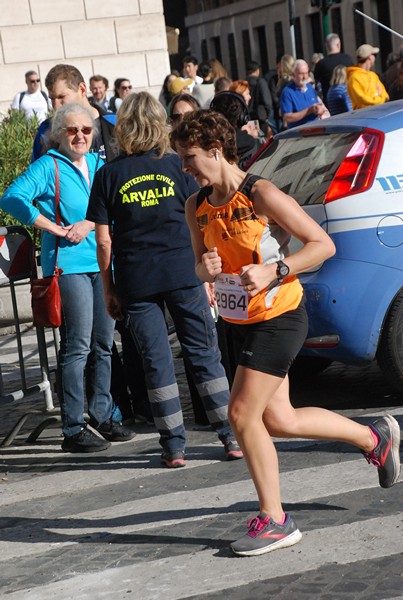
34 81
86 130
176 117
126 87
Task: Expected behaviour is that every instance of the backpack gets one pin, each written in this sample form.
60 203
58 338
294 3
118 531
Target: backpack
22 94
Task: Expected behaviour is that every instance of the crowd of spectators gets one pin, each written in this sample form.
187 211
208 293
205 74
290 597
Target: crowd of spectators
352 83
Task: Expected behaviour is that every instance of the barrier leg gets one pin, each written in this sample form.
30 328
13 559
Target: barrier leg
44 365
33 436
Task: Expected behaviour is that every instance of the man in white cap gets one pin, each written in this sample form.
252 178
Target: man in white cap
363 85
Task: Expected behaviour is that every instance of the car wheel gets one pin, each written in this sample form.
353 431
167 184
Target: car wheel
305 367
390 349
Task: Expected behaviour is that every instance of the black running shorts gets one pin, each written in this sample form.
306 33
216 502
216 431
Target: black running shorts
271 346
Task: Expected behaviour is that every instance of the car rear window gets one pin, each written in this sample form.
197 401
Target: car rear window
304 167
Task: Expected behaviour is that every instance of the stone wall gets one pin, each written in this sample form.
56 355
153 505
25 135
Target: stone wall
116 38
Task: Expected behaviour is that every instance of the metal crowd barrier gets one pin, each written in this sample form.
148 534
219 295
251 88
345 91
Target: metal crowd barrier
16 264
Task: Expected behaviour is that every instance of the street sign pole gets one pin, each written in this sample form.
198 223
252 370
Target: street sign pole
291 13
325 18
378 23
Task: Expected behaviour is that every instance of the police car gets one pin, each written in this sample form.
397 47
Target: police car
347 173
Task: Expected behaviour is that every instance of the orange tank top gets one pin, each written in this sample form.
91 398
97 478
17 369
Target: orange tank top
242 239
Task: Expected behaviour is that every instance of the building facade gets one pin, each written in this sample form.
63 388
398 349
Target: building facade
116 38
236 32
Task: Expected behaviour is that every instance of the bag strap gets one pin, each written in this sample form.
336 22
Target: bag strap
58 220
57 210
44 94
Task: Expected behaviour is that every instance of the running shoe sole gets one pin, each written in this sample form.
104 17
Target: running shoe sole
82 449
395 449
173 463
232 451
234 455
290 540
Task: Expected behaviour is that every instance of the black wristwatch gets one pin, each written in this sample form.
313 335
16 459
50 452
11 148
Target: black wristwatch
282 271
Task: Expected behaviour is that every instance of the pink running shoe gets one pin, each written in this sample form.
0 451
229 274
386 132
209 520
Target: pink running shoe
232 450
265 535
385 456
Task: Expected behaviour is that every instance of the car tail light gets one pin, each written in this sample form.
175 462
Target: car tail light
357 171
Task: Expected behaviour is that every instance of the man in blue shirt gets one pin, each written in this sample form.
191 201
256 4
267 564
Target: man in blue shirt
299 102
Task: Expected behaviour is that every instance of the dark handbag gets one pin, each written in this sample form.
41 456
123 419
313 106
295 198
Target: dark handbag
45 292
261 114
258 111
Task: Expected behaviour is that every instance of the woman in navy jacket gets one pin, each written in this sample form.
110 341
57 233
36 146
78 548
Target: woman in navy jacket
137 203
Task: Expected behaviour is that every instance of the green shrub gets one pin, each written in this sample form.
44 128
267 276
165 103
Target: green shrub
16 138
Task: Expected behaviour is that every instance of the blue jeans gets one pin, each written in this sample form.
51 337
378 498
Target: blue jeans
86 333
195 328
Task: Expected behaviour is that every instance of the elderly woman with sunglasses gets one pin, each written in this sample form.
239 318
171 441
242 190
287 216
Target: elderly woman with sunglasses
86 326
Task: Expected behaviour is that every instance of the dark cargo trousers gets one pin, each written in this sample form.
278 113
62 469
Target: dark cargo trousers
196 332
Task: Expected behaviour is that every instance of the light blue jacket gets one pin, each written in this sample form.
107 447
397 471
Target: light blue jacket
38 183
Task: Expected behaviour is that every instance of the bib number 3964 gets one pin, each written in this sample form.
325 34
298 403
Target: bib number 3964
231 298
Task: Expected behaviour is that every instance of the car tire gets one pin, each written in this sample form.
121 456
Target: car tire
390 349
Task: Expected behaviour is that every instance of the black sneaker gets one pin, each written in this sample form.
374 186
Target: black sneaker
115 432
265 535
173 460
84 441
385 456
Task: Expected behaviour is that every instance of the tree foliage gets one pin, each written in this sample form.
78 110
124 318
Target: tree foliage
16 138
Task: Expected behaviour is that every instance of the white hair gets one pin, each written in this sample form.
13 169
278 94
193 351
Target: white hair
300 62
332 40
59 118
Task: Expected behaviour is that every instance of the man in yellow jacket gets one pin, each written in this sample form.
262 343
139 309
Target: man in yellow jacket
363 85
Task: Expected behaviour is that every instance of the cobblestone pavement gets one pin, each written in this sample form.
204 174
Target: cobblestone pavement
115 525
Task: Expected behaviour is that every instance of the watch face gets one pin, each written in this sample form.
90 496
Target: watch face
282 269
